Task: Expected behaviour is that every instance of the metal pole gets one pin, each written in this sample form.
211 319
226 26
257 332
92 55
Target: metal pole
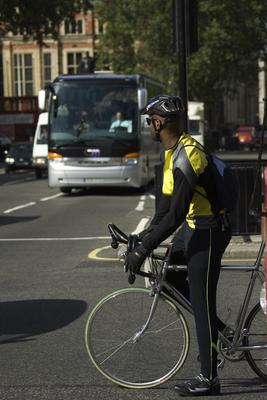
180 17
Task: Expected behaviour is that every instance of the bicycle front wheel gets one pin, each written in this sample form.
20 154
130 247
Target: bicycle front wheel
121 354
256 331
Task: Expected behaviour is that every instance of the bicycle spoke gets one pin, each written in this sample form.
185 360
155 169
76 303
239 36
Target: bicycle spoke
131 359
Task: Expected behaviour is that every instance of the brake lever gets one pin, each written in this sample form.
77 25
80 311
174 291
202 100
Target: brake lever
114 244
131 278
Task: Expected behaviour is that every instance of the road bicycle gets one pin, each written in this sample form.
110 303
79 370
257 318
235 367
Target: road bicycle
138 337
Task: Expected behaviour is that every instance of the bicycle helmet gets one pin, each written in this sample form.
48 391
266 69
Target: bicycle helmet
164 105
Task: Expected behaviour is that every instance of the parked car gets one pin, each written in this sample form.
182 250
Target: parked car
246 137
19 156
5 143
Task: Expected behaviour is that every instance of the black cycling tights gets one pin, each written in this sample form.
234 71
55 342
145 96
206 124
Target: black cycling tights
203 249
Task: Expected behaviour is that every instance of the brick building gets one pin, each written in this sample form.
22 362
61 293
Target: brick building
27 67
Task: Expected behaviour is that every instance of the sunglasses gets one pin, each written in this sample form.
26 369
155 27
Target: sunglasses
149 120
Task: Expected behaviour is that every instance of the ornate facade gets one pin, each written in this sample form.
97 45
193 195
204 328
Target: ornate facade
28 67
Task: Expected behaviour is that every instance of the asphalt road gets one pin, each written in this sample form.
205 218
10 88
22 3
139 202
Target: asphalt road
55 265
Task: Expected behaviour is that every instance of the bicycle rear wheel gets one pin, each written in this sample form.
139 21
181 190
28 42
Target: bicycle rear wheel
148 361
256 326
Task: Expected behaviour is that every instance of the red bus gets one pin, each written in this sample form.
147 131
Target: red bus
18 117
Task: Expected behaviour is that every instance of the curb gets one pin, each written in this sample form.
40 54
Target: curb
243 247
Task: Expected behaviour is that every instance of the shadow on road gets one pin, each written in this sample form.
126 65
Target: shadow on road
243 386
21 320
6 220
111 191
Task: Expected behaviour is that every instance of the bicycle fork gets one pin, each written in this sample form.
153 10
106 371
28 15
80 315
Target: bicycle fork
138 335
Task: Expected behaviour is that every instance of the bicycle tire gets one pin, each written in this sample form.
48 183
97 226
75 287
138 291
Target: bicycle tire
151 360
256 327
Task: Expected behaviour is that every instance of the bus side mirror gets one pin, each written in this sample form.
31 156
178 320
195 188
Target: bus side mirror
41 99
142 98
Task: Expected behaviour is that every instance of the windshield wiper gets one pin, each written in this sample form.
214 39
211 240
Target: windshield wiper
70 143
90 142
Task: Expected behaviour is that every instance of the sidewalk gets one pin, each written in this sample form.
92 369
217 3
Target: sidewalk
243 247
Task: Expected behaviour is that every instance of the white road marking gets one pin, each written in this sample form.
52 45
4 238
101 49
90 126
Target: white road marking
32 203
54 239
94 254
19 207
51 197
141 226
141 204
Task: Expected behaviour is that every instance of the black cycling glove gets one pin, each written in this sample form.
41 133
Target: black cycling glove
135 258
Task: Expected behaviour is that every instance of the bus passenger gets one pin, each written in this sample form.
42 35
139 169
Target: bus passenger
121 122
82 125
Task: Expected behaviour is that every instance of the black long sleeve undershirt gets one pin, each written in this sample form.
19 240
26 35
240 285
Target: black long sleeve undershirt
172 213
162 209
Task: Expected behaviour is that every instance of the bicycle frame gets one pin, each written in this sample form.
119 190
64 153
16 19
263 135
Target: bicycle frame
176 296
159 282
255 274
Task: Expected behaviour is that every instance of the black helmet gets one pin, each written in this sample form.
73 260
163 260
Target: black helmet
164 105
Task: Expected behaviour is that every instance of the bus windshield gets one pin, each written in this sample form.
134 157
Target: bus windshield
85 111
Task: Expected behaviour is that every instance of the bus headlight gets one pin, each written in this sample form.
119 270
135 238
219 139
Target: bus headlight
130 159
39 161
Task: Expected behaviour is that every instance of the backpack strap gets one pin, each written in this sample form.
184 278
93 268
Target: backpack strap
209 156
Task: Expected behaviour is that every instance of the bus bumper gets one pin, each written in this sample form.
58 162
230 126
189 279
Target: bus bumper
75 177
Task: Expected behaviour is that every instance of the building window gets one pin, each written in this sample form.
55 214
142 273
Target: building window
19 32
73 62
100 28
47 70
79 26
73 27
23 74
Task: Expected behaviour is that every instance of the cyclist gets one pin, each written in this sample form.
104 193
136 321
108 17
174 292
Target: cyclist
188 202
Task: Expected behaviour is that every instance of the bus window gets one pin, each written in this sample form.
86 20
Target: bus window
43 135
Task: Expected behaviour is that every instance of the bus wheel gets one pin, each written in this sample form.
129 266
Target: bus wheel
65 190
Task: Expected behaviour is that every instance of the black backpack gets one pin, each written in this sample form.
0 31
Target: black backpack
226 183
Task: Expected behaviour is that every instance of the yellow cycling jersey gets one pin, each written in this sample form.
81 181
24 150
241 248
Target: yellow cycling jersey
188 156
